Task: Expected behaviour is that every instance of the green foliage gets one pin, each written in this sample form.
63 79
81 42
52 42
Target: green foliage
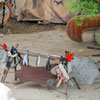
98 41
84 7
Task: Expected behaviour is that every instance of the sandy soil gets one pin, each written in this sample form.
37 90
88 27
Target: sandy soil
51 42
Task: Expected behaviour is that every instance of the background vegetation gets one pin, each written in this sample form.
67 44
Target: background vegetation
89 8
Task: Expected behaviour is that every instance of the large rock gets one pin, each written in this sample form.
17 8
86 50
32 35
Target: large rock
5 93
84 70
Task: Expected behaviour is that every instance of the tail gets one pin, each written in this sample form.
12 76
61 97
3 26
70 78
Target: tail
75 32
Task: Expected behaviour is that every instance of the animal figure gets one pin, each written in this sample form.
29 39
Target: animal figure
47 66
26 58
58 2
75 32
38 61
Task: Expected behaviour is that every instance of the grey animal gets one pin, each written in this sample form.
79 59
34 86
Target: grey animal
38 60
47 66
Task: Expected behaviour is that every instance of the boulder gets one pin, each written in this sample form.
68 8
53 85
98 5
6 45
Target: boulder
84 70
5 93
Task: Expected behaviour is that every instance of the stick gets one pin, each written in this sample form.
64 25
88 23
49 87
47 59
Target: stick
3 14
76 83
15 68
97 55
90 47
3 78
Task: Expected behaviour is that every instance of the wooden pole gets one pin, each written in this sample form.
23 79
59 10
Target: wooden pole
3 78
65 85
3 15
15 68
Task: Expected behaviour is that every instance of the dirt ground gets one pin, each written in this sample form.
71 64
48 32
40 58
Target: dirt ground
14 27
51 41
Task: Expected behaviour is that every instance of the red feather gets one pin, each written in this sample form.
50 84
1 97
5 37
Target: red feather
4 46
69 57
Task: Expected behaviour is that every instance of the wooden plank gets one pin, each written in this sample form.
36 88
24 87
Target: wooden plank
41 55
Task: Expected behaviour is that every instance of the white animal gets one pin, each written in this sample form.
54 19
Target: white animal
26 59
38 61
